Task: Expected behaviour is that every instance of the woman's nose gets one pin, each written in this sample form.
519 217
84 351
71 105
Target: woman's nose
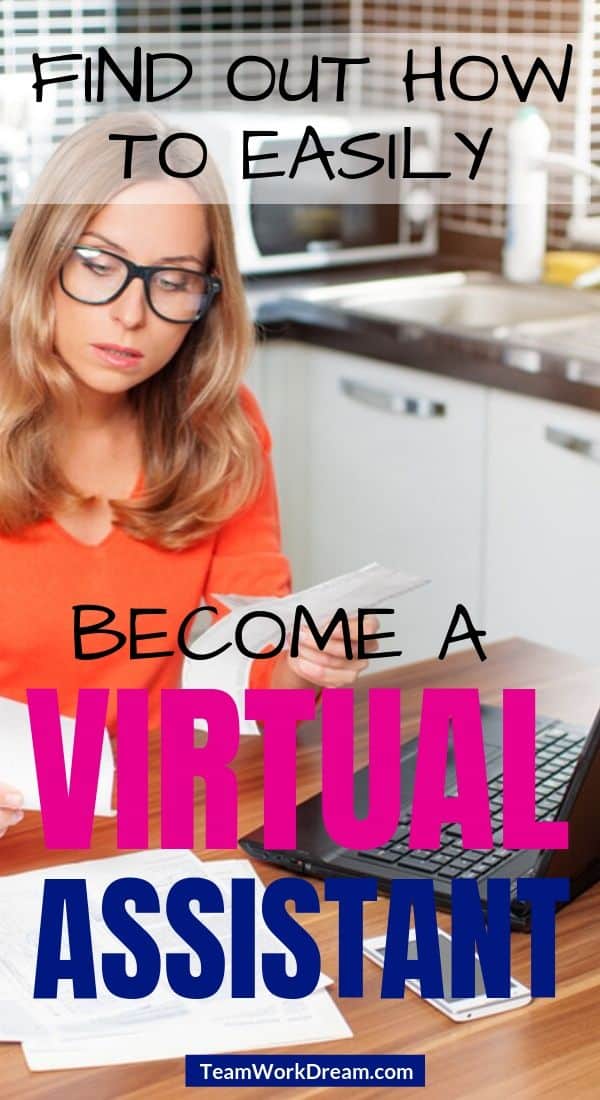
130 307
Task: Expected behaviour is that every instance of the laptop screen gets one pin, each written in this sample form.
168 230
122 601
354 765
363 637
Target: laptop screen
581 807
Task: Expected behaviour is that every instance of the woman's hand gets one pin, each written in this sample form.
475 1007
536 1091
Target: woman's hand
325 668
11 801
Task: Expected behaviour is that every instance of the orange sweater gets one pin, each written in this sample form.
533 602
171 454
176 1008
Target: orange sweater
45 571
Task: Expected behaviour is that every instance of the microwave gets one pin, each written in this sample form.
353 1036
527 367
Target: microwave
338 221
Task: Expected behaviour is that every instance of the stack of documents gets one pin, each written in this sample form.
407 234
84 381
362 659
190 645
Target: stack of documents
68 1033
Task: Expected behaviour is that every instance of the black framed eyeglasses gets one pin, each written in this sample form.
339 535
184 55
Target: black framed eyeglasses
96 277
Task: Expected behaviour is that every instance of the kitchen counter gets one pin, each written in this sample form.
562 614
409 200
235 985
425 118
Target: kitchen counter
281 312
265 289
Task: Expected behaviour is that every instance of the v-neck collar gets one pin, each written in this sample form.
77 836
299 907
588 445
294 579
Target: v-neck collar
110 534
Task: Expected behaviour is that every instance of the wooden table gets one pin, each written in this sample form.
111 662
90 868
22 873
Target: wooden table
549 1049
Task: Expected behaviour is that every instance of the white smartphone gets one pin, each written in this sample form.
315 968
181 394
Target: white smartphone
458 1009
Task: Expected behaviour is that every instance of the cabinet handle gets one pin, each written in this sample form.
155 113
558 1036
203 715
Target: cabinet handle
588 448
399 403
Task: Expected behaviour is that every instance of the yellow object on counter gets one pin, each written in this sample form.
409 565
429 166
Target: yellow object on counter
561 268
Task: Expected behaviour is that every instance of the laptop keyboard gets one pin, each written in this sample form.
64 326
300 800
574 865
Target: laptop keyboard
557 752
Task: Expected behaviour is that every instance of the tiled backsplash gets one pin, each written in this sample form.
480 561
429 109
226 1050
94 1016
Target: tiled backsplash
476 19
78 26
24 26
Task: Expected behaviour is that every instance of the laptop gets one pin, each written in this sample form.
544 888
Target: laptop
567 789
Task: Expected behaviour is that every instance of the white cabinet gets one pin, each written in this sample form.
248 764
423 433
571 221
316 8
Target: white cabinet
396 474
279 377
379 462
493 495
542 570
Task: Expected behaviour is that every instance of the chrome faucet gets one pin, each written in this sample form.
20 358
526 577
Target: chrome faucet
575 166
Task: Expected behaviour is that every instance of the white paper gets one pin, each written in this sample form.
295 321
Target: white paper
20 912
111 1029
314 1019
366 587
17 1022
230 670
17 761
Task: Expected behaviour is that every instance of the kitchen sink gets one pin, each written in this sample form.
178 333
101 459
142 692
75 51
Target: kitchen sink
466 301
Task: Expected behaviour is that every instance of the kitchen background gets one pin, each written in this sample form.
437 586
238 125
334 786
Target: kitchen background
22 22
450 424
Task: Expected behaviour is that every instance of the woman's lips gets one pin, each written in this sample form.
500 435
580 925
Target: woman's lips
118 356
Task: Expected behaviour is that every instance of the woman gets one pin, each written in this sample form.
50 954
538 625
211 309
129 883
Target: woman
134 465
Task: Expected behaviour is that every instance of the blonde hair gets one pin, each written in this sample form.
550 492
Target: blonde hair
202 457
